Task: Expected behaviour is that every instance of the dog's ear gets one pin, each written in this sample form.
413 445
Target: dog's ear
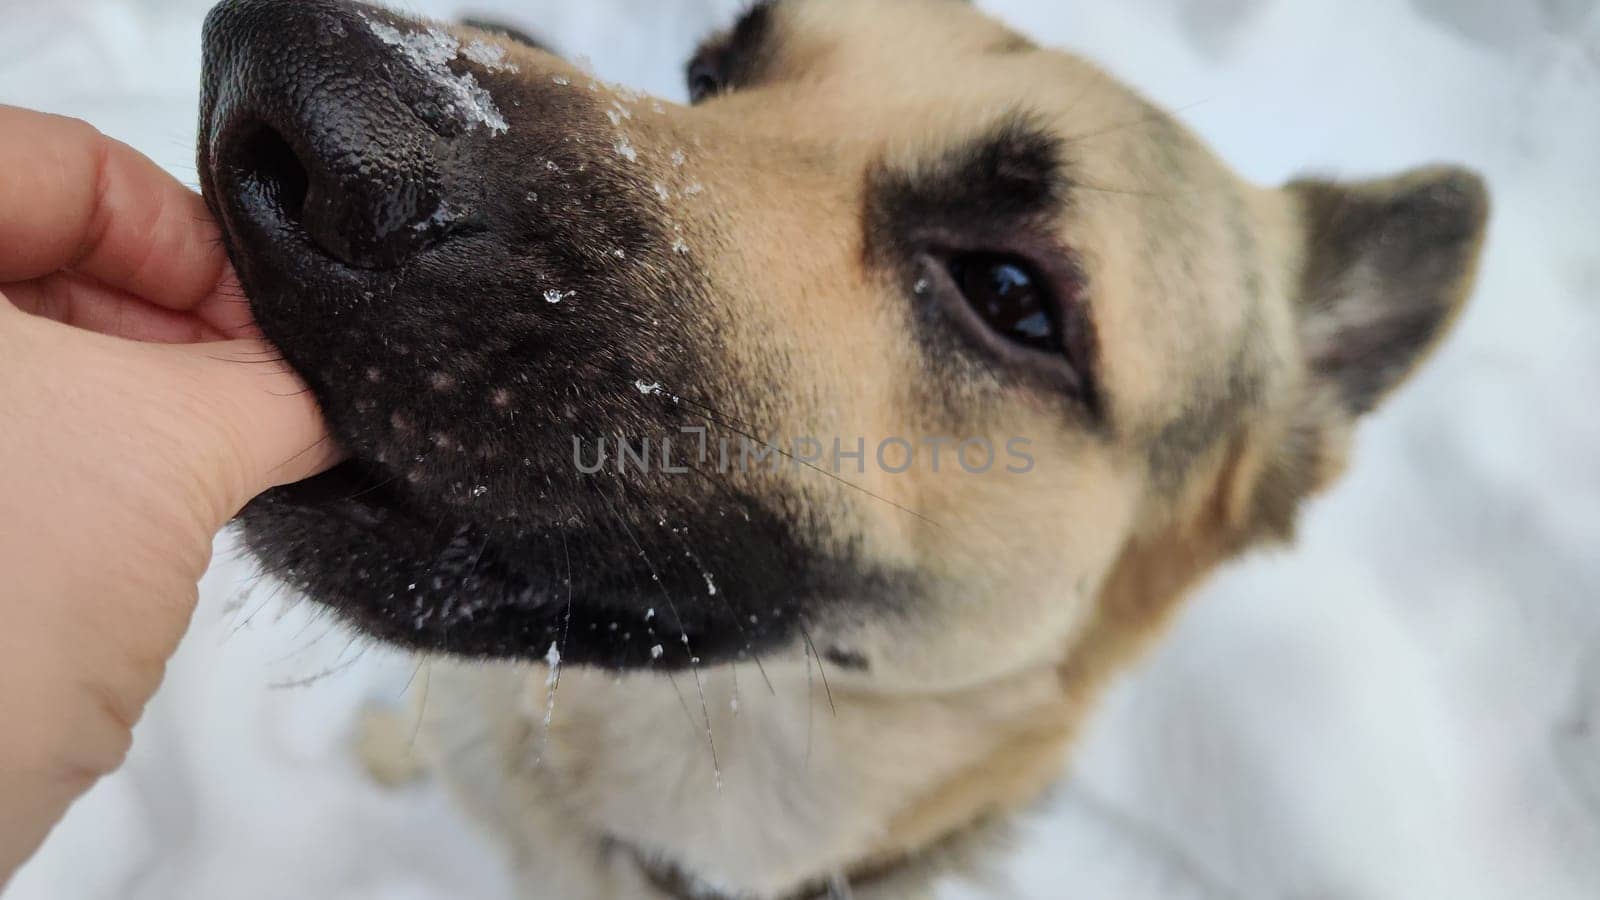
1386 267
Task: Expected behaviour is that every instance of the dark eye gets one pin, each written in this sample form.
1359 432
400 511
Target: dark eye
705 80
1010 297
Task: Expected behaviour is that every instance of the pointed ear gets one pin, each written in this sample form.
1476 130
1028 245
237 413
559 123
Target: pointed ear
1388 265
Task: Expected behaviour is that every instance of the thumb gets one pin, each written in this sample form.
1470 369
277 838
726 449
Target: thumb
257 423
205 426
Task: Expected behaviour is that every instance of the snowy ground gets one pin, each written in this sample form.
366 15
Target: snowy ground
1405 706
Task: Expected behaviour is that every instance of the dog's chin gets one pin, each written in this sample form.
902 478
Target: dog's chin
435 580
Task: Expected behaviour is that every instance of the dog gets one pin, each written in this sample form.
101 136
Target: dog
777 480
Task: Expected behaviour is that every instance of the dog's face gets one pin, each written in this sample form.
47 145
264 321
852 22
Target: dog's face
1008 326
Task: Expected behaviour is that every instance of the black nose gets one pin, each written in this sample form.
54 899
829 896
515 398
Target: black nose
323 122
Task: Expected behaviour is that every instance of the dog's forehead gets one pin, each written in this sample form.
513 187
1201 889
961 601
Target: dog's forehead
883 49
939 29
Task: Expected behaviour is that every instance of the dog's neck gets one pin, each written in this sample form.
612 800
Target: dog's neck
794 783
761 781
787 789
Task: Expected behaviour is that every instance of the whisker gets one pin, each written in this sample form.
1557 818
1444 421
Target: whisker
811 704
304 627
376 487
422 706
414 673
722 596
1156 116
821 670
553 687
314 445
247 362
310 680
694 662
684 702
272 595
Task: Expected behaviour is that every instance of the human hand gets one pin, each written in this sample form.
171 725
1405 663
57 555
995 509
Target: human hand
138 413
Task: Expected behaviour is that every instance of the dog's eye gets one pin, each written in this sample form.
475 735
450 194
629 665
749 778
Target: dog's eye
1028 315
1009 297
705 80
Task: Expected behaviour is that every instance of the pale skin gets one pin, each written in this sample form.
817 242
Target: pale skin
139 412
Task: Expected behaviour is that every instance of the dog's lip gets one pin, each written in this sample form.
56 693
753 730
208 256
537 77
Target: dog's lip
336 483
388 570
354 489
373 498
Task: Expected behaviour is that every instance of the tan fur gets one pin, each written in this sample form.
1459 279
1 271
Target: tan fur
1046 586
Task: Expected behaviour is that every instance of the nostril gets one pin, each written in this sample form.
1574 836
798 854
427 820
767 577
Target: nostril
350 198
263 157
323 169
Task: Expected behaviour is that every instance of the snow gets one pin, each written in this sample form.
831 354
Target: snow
552 658
430 51
490 56
1403 705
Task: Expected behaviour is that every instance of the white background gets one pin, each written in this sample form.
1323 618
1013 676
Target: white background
1403 706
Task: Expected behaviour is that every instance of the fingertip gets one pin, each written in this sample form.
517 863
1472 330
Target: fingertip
216 423
270 418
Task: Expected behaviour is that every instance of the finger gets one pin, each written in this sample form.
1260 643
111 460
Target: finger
226 420
76 300
267 426
70 197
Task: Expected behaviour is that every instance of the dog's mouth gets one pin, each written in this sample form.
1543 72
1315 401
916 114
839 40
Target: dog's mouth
412 577
471 290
